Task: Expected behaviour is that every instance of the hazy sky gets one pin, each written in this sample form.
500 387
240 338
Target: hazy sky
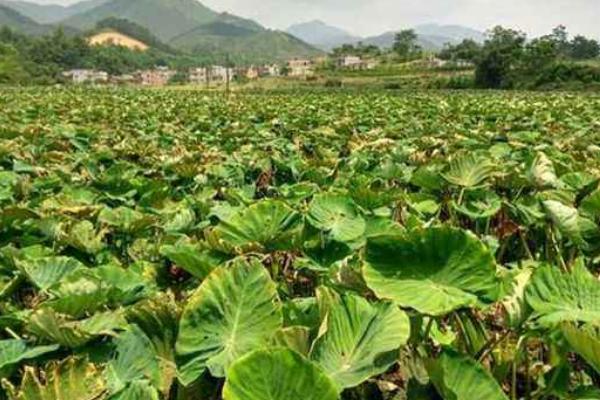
367 17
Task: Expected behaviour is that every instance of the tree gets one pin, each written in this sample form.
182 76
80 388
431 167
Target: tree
582 48
500 59
467 50
560 37
405 44
11 66
539 54
361 50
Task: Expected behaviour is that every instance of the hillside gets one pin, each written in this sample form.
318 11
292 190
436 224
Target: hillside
188 25
386 40
240 45
431 37
19 22
133 30
176 24
164 18
456 33
321 35
50 13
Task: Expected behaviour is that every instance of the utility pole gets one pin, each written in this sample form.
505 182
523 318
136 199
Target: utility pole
227 73
207 73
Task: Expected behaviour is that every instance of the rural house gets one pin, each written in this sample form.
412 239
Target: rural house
252 72
355 63
351 62
300 67
214 73
270 70
79 76
159 76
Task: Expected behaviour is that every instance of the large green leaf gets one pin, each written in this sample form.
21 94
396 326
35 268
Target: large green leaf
278 374
13 351
48 271
72 379
591 204
470 171
125 219
541 173
585 341
581 231
135 360
194 259
234 311
434 271
557 297
337 216
458 377
265 226
158 318
64 330
358 339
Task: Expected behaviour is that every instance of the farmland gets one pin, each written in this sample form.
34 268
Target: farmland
187 245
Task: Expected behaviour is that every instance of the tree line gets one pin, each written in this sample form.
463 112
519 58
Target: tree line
506 59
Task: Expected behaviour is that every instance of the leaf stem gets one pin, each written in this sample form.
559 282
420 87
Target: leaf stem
491 345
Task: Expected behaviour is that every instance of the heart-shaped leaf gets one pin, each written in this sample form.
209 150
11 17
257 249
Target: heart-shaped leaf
234 311
435 271
278 374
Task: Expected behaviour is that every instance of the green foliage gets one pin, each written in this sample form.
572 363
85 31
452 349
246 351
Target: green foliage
500 56
467 50
175 244
11 66
405 44
507 60
277 375
133 30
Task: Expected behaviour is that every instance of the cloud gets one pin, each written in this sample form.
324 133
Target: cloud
368 17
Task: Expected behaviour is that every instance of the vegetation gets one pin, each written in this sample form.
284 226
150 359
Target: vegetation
508 60
405 45
183 245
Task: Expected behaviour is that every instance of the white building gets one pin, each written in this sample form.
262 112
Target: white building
300 67
80 76
356 63
270 70
351 62
214 73
158 76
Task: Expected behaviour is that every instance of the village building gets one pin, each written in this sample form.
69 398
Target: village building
159 76
113 38
300 67
125 79
350 62
79 76
356 63
198 75
270 70
252 72
218 73
214 73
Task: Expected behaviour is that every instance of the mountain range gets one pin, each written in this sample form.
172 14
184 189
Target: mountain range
430 36
321 35
191 27
186 25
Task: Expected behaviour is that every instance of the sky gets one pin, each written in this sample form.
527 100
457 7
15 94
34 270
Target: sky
372 17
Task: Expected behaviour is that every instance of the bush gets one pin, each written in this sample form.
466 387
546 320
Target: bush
392 86
333 83
566 76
